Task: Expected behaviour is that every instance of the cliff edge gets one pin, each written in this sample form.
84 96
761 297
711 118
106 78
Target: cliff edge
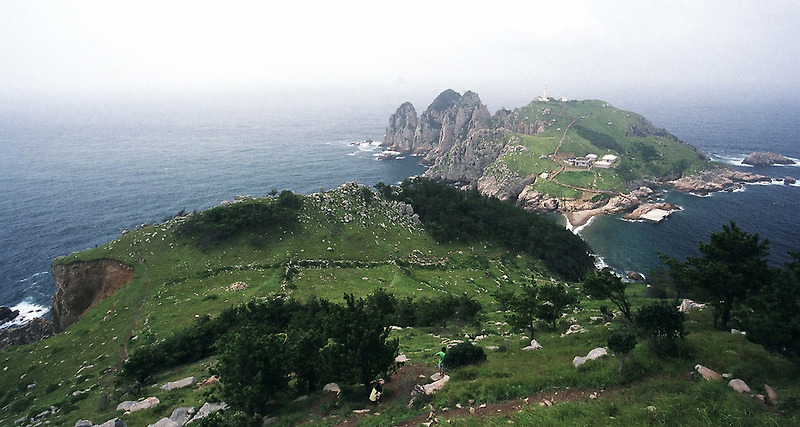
82 284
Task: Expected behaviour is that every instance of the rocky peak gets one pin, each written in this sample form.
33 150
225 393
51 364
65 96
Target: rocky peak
401 128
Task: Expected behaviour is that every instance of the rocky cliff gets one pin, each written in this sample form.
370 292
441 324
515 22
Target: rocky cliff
80 285
460 139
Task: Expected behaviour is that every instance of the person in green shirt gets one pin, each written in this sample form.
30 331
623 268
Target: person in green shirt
441 355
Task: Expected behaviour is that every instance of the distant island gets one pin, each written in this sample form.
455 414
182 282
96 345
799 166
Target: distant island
579 158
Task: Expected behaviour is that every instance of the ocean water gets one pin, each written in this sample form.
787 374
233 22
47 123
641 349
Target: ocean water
73 178
728 131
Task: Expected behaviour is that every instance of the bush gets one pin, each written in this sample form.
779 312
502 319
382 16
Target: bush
621 343
662 325
464 354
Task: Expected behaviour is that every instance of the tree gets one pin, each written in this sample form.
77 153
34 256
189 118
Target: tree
604 284
357 349
621 343
253 367
732 265
524 308
772 318
554 301
662 324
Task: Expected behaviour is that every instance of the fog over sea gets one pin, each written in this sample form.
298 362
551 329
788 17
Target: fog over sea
75 177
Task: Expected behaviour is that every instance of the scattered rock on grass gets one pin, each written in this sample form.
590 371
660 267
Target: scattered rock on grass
186 382
594 354
739 385
772 395
534 346
706 373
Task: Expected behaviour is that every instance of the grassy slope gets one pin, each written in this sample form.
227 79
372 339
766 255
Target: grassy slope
600 129
175 282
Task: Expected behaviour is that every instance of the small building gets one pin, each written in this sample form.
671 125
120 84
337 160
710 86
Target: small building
602 164
591 156
580 161
610 158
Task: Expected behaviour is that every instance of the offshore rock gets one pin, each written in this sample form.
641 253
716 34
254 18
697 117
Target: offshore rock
766 159
6 314
80 285
33 331
716 180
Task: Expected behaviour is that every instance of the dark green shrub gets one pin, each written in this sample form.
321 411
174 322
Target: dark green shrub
621 343
464 354
662 325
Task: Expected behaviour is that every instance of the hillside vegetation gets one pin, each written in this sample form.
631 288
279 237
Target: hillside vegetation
439 274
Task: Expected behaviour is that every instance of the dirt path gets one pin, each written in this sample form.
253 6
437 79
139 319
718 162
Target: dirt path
398 392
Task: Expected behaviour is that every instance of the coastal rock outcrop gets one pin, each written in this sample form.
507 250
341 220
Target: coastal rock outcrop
716 180
766 159
33 331
80 285
450 118
652 212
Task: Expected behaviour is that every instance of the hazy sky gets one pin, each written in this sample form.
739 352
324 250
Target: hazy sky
579 48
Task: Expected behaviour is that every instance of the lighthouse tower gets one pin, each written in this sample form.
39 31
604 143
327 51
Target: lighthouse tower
544 96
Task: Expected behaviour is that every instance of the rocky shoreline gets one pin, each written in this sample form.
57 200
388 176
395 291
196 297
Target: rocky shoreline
640 201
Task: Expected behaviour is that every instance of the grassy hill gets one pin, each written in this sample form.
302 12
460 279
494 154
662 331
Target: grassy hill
595 127
351 240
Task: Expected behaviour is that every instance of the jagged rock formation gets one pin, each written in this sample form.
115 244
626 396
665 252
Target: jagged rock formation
33 331
766 159
80 285
451 133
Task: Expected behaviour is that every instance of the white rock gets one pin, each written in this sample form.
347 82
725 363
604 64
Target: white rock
144 404
534 346
436 385
706 373
594 354
333 387
186 382
165 422
739 385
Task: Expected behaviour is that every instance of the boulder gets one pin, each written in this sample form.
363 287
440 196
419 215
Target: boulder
635 275
739 385
789 180
116 422
706 373
124 406
6 314
772 395
594 354
143 404
165 422
688 305
182 414
436 385
207 409
83 423
186 382
208 381
534 346
332 387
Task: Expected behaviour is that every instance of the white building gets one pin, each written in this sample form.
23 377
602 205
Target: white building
610 158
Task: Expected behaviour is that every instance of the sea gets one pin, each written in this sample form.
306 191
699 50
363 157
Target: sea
75 175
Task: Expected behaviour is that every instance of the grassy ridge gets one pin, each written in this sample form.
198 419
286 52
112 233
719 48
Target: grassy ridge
350 240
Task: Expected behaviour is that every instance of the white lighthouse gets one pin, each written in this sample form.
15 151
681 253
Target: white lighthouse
544 96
